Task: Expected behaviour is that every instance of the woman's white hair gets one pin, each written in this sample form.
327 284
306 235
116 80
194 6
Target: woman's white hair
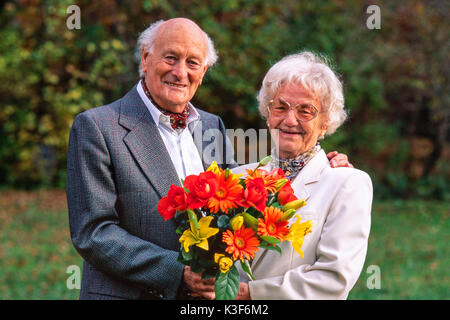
147 38
314 74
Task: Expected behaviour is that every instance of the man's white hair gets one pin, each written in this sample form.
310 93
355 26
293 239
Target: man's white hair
314 74
147 38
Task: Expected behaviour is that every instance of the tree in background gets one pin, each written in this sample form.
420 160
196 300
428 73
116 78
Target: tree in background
395 79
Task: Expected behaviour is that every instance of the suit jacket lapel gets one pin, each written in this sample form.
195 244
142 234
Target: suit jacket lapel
145 143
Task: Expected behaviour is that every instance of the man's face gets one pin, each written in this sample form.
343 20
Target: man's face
176 67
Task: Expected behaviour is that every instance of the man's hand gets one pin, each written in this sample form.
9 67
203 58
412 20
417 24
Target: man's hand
244 292
197 286
338 160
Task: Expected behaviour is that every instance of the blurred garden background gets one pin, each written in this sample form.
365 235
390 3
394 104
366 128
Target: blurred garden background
396 83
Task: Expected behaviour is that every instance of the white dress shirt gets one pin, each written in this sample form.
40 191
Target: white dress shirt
179 143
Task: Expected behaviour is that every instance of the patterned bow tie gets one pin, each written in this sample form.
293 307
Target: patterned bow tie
177 120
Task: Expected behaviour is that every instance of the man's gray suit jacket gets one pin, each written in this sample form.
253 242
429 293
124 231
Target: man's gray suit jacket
117 170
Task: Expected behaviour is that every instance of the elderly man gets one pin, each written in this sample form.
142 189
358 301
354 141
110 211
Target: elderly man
122 159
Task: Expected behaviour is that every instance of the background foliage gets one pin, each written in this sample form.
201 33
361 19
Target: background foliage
395 78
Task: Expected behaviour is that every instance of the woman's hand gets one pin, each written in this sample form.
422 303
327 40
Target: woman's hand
338 160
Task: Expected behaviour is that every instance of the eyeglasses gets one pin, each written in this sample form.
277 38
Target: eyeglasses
303 112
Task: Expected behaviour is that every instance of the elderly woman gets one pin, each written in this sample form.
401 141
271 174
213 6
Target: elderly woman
302 100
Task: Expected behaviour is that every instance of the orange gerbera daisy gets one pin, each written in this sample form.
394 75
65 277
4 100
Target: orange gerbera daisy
242 243
227 193
273 180
272 225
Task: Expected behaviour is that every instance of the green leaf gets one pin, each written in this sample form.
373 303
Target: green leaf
247 269
222 221
193 218
227 284
276 205
180 230
264 161
250 221
269 247
186 255
270 240
227 173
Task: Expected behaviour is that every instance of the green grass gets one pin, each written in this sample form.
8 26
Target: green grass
408 242
35 248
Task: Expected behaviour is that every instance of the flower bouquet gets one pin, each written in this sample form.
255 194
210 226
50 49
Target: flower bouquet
223 217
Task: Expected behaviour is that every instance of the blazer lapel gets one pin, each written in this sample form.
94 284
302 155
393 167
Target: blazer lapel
309 174
145 143
258 255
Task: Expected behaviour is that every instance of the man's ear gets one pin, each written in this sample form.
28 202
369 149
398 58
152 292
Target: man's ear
144 56
205 68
